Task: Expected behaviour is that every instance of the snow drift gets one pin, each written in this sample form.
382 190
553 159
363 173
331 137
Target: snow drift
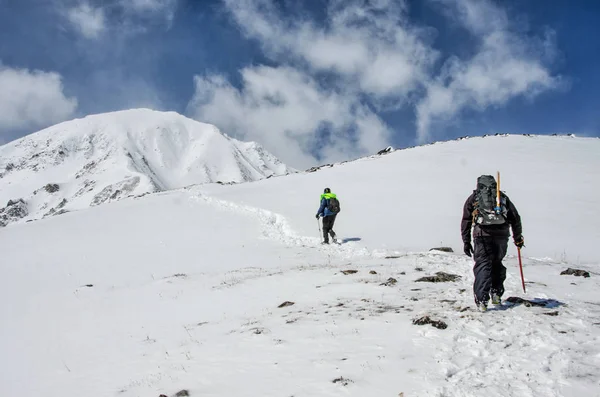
106 157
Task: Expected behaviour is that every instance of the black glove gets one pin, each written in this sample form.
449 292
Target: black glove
468 249
317 216
519 241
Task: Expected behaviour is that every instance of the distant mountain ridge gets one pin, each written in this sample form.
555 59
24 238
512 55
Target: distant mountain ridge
106 157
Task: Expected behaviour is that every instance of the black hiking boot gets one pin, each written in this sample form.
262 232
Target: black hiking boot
333 237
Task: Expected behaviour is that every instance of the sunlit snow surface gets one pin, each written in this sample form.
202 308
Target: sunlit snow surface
180 290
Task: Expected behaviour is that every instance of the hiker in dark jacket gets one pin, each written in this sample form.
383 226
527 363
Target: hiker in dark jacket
328 215
491 233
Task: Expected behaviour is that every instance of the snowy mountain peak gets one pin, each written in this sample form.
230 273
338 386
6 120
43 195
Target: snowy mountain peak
106 157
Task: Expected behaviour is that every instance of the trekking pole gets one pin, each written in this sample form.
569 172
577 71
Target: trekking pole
521 269
319 223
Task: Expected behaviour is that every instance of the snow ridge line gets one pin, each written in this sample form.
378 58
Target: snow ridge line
276 227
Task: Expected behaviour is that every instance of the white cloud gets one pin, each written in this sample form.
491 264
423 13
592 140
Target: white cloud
285 110
88 20
363 50
371 44
505 65
365 57
32 99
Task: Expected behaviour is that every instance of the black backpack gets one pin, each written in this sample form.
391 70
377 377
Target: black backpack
333 205
486 211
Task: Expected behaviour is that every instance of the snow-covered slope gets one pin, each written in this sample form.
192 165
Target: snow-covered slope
106 157
412 199
181 289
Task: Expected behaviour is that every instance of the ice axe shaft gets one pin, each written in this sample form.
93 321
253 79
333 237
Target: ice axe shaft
498 189
521 269
498 208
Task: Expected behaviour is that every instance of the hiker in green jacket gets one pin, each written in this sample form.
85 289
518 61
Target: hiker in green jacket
330 207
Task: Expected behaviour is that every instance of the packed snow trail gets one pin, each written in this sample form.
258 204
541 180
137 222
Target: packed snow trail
275 227
179 291
412 199
495 350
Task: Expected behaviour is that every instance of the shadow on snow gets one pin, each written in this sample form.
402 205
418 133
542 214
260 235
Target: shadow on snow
514 301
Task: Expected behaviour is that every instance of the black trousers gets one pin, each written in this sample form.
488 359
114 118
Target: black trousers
489 271
328 222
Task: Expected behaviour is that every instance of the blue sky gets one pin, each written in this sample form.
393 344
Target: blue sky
313 80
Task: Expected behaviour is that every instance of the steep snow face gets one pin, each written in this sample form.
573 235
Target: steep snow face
106 157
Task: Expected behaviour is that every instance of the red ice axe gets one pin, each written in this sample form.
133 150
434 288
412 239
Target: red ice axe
521 269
